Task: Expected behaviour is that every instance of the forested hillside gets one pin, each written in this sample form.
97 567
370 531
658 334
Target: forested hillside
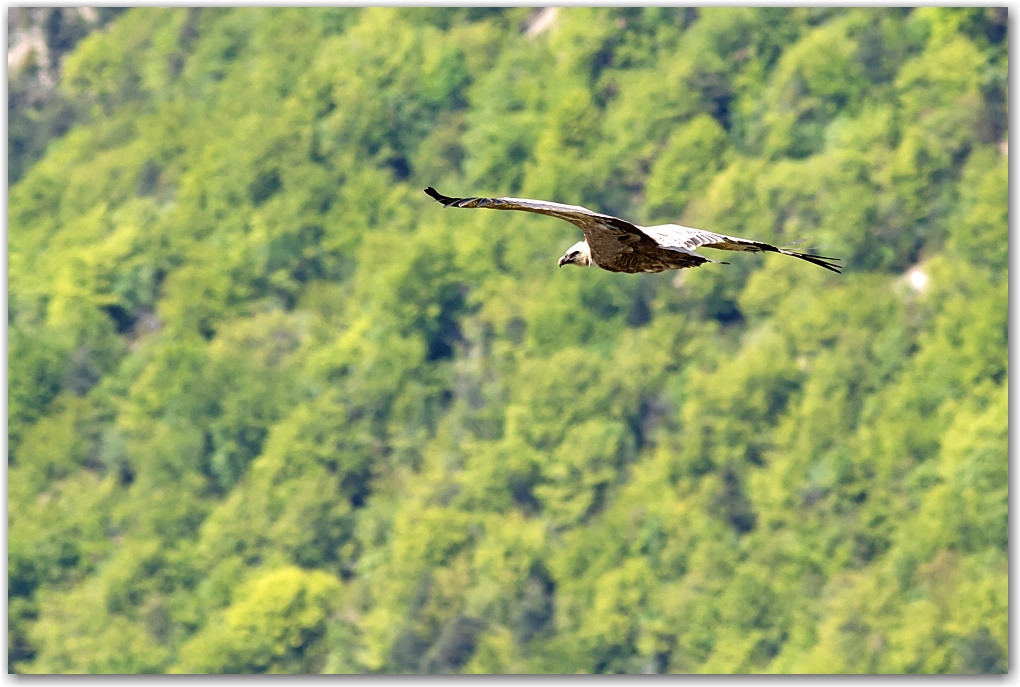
272 409
38 38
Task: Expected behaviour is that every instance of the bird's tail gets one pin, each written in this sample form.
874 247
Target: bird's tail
830 264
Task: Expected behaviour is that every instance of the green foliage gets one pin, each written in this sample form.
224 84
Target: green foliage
276 625
691 159
273 410
37 111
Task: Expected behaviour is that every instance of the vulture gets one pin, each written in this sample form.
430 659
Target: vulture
617 245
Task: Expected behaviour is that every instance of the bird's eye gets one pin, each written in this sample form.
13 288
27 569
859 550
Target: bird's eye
575 253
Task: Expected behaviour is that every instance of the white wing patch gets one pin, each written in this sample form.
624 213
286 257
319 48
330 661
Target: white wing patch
677 236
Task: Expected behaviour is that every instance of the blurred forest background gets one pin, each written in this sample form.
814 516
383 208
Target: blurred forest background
271 409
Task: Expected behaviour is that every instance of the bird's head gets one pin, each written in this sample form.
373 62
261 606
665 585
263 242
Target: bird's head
578 254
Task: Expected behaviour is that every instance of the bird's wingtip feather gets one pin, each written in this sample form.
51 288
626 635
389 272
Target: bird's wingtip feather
438 197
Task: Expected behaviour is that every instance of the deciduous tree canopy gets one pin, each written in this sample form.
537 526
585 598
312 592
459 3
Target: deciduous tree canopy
272 410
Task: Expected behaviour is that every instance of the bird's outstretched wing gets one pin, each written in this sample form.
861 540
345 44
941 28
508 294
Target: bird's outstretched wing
697 238
606 235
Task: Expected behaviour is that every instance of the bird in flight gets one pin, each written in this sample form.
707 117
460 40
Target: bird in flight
617 245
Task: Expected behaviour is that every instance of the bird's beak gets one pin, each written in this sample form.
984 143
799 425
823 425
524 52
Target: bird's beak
562 261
